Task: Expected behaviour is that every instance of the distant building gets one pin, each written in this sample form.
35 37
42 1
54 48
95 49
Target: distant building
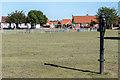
47 25
55 23
66 22
84 21
4 24
62 24
48 22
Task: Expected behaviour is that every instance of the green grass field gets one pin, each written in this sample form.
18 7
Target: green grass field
24 55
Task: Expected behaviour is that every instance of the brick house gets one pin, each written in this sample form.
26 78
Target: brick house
84 21
66 22
63 23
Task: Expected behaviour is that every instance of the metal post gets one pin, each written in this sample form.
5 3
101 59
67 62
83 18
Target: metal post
102 31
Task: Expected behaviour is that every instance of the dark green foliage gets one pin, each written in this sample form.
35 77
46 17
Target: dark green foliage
72 21
111 15
8 19
92 23
17 17
37 17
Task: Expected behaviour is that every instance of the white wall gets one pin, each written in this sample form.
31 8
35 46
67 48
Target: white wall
22 25
4 25
37 26
12 25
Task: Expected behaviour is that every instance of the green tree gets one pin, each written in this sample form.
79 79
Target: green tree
37 17
111 15
17 17
8 19
92 23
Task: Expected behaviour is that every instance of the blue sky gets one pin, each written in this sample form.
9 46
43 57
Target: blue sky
57 10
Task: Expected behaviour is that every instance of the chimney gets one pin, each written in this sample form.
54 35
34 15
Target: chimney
87 15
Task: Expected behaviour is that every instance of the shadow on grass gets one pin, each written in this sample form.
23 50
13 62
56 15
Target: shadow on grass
54 65
113 38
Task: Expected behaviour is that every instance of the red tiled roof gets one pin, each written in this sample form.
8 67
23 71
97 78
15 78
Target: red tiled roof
66 21
48 21
83 19
55 22
3 19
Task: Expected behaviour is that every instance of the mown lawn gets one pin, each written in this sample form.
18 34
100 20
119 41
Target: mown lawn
24 55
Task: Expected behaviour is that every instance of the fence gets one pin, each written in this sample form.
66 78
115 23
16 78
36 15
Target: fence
46 30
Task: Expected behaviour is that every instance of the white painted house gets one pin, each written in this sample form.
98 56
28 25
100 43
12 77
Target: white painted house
37 26
4 24
23 25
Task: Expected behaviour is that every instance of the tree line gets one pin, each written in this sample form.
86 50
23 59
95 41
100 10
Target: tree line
37 17
111 16
33 17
